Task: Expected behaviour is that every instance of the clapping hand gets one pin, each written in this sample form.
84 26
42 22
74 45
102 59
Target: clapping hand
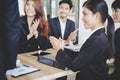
71 37
33 29
35 26
56 43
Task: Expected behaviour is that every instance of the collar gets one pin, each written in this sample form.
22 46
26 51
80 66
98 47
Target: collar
96 30
61 20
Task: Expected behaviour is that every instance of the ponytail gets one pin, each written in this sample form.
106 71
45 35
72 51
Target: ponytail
110 33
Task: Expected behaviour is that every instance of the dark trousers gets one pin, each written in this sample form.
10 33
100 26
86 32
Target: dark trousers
2 69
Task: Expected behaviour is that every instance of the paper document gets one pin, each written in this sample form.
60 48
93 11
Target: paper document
73 47
23 69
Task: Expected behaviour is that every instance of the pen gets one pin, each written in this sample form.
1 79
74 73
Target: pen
26 65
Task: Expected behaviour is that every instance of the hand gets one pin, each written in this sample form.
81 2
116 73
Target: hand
33 29
35 26
8 77
56 43
30 33
71 37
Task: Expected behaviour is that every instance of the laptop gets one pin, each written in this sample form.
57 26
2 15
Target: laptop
46 58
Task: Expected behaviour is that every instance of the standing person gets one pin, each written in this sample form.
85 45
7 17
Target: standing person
34 30
2 71
9 36
91 59
116 17
61 26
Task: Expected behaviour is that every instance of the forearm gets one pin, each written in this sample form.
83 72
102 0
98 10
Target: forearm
64 59
8 74
43 42
29 36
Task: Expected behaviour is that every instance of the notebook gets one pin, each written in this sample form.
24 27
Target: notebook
23 69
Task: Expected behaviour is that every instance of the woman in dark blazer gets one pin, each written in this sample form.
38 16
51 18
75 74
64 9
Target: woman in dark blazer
34 30
91 59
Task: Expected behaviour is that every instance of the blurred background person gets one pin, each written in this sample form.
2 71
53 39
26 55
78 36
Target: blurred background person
34 30
61 26
116 17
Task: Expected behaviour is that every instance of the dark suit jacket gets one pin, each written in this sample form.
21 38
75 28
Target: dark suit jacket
2 70
55 29
117 52
33 43
9 35
91 59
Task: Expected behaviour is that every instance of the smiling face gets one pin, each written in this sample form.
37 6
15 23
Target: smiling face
116 15
29 8
64 10
88 19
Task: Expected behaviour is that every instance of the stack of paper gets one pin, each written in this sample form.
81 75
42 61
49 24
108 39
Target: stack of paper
23 69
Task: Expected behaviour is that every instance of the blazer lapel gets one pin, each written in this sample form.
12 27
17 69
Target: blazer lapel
24 26
58 27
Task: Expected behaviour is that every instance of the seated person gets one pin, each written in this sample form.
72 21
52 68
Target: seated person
61 26
90 62
34 29
116 17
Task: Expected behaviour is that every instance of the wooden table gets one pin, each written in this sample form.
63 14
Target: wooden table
46 72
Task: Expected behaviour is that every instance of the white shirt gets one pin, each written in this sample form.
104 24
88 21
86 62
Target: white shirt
62 26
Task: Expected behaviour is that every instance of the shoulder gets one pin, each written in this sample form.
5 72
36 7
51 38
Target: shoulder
94 42
54 19
99 39
117 31
70 21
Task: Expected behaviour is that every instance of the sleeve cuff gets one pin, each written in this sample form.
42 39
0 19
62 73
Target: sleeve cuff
9 72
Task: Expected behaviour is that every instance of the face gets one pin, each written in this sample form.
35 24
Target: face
88 18
29 8
64 10
116 15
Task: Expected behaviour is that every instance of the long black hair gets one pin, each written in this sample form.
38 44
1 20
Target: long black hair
101 7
